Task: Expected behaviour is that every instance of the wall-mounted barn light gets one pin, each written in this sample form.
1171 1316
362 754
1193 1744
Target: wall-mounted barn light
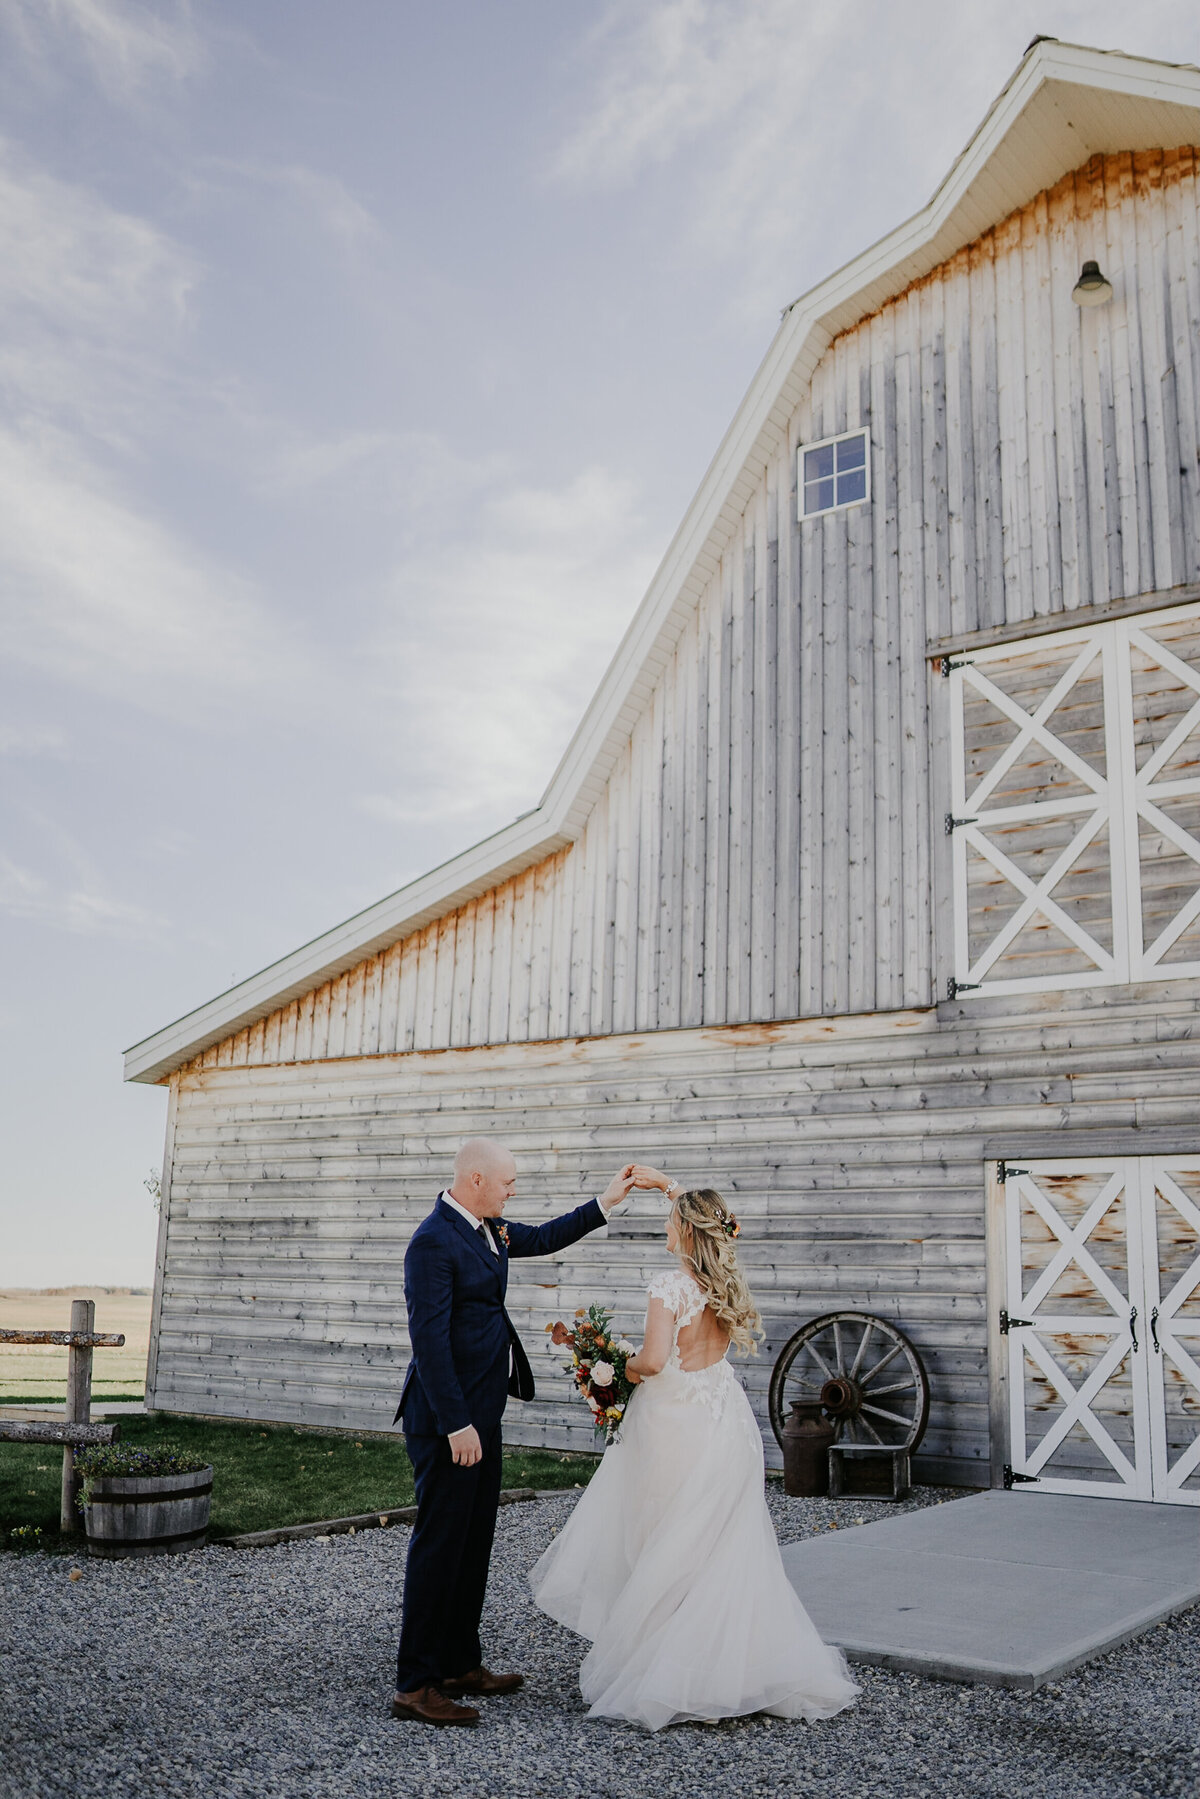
1091 289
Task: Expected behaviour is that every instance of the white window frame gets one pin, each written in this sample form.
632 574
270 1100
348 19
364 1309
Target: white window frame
1116 801
820 443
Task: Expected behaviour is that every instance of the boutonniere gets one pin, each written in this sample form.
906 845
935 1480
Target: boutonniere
502 1232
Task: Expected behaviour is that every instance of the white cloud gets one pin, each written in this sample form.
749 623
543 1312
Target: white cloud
129 47
771 103
28 741
325 197
531 605
103 596
403 475
93 305
81 909
98 590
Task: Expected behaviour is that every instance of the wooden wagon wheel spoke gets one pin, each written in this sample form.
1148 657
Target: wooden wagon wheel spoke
882 1412
881 1364
812 1366
862 1349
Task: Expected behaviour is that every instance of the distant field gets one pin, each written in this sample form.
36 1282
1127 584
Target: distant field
28 1371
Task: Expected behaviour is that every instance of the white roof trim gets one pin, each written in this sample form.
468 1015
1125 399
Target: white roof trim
1063 104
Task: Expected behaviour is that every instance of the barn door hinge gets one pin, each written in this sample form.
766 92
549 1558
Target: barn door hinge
954 988
1013 1479
1013 1324
1005 1171
949 665
953 823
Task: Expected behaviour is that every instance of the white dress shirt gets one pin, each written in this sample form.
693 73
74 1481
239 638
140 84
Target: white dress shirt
471 1220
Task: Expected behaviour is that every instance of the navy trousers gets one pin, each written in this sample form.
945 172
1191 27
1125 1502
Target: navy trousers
446 1577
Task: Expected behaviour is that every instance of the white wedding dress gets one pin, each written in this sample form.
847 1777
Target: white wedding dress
670 1567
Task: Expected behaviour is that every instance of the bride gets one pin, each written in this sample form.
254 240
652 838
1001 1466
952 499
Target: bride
669 1564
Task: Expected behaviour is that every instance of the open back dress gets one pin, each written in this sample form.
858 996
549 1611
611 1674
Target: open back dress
670 1568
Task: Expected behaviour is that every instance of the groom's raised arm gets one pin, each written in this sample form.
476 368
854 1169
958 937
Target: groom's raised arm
429 1294
560 1233
556 1233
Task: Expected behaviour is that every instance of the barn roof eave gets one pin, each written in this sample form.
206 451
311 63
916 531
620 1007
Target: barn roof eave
1063 104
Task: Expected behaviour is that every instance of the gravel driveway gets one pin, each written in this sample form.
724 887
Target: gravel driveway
267 1672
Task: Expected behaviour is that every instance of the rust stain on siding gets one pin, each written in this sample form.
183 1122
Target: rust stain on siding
1093 187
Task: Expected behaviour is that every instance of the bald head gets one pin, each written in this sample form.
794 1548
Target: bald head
485 1176
482 1155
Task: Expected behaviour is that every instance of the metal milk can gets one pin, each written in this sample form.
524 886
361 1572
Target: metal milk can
806 1439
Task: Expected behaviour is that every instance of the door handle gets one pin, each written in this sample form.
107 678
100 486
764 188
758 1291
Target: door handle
1133 1327
1154 1331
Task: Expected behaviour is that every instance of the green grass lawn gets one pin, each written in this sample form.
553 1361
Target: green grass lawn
264 1476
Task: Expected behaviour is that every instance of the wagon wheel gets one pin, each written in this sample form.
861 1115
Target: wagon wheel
864 1373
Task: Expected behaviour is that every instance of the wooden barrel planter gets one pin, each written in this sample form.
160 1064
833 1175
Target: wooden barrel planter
156 1514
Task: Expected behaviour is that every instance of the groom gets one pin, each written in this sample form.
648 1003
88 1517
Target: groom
466 1360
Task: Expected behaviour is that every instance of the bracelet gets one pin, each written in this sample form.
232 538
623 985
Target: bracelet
673 1188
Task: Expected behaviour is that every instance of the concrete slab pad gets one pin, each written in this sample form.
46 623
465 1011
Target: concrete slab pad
1011 1589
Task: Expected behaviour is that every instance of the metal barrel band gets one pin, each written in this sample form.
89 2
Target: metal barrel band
159 1496
113 1548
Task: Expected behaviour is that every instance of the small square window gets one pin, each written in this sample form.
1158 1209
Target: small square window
834 473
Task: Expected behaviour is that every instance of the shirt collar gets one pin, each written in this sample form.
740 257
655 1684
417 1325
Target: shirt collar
470 1218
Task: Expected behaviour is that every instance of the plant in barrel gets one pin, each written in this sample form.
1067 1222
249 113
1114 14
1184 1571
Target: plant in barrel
597 1365
143 1501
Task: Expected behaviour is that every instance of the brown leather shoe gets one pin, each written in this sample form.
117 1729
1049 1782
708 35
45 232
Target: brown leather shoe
482 1680
429 1705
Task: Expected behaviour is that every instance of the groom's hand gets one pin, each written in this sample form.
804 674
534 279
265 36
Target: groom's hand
465 1447
618 1187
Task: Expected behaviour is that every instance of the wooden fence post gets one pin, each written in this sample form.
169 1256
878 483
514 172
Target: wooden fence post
79 1405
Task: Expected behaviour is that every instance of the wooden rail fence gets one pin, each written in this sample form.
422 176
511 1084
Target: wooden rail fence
77 1428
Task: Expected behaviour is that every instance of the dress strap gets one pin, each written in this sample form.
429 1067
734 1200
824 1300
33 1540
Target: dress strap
680 1294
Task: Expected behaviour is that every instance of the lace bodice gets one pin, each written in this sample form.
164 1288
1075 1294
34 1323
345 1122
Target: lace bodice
682 1296
711 1387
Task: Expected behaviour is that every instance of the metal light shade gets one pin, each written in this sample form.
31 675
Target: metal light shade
1091 289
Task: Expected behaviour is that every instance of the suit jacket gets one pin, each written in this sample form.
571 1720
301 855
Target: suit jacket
463 1340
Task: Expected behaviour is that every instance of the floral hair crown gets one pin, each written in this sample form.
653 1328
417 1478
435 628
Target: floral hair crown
728 1225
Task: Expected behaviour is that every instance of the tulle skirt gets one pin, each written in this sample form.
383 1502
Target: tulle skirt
670 1567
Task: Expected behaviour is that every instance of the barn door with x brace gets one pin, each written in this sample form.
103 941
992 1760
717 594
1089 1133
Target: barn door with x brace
1075 807
1102 1318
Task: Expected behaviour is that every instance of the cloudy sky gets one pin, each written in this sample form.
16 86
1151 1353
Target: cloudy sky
358 361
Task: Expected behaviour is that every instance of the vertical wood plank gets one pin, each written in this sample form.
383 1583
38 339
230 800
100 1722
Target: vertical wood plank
481 976
694 850
461 976
764 877
788 797
389 1000
160 1253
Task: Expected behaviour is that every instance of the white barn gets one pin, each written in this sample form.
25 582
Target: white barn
871 875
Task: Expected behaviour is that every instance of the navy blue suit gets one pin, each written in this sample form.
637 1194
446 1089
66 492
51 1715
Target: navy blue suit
466 1360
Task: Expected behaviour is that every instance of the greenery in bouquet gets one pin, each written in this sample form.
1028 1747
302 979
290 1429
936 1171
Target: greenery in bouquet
104 1461
597 1364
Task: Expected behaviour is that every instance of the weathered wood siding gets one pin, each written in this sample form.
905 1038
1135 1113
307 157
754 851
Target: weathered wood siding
764 849
853 1151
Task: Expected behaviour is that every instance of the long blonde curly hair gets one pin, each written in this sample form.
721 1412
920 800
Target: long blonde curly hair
707 1229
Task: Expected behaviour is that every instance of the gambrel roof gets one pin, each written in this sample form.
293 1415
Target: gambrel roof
1063 104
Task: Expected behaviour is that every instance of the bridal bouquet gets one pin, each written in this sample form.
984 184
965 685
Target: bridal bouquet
598 1364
